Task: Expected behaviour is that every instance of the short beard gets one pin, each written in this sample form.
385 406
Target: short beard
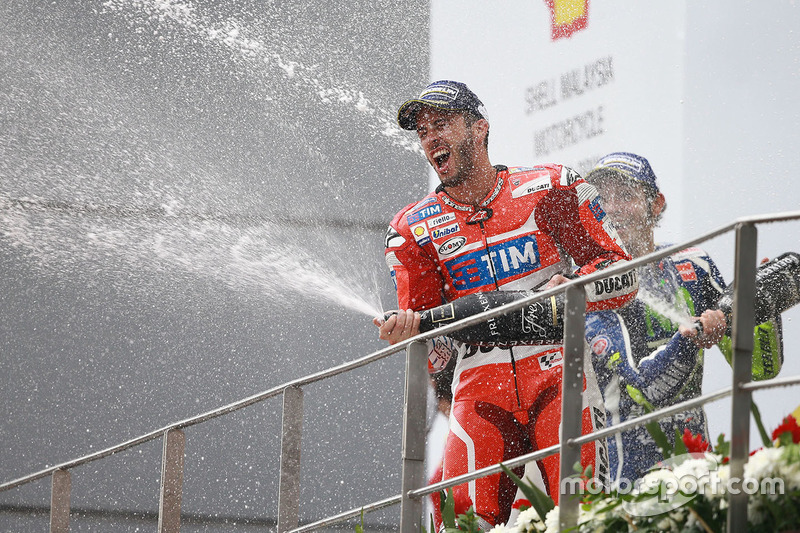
466 153
455 181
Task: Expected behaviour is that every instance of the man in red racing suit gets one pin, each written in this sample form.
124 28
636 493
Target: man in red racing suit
513 229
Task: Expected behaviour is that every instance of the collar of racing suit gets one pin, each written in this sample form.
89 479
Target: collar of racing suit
498 185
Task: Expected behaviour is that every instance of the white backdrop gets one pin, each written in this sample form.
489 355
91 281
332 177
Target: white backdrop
706 93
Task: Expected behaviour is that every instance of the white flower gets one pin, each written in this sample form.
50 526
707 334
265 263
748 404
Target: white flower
719 485
665 524
551 521
696 467
529 521
499 529
790 472
763 463
527 516
691 522
789 467
723 504
598 510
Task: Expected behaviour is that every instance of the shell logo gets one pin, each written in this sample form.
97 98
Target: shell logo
567 17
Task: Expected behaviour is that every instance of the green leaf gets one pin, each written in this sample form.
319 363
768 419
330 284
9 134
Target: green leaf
680 446
661 439
541 502
468 522
723 447
448 509
637 396
785 438
360 527
433 526
763 432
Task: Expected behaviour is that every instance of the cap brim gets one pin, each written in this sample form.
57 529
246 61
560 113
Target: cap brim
619 175
407 114
608 172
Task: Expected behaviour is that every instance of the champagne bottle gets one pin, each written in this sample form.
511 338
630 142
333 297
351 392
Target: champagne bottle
540 322
777 288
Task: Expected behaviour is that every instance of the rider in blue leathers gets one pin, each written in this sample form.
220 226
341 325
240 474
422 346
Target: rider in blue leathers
641 360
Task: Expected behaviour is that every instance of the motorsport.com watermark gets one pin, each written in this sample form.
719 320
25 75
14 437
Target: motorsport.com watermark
668 486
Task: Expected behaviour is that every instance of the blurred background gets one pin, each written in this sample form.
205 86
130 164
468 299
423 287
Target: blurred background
193 200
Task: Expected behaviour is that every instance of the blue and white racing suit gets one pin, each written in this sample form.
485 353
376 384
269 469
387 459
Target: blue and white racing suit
642 363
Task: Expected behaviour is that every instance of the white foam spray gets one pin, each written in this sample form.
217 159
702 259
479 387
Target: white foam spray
234 36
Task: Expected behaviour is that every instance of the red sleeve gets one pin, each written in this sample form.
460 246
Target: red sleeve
572 214
417 276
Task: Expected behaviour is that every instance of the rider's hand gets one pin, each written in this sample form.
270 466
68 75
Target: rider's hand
398 327
556 280
714 324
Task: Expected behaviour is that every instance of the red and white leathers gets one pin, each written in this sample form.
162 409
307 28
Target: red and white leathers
507 401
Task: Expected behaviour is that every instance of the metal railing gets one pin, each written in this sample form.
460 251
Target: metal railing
413 487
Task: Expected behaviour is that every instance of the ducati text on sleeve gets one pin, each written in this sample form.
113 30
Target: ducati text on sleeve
614 285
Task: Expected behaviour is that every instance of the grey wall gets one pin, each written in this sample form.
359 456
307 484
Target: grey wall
178 189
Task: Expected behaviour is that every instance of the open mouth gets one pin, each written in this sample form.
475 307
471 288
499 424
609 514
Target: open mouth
440 157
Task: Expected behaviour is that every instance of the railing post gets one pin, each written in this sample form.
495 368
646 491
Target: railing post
744 292
59 501
169 506
291 439
413 451
571 401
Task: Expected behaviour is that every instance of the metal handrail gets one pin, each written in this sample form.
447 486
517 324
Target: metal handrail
481 317
209 415
546 452
599 434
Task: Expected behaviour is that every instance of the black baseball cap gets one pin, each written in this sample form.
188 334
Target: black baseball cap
443 94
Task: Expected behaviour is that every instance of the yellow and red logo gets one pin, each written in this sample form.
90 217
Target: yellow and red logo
567 17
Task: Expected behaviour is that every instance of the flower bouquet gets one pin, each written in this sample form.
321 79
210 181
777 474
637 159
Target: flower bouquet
687 492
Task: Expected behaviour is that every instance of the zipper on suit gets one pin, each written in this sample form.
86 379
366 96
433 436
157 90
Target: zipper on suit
497 286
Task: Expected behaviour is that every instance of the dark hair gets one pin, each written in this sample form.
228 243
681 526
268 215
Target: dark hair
651 194
470 119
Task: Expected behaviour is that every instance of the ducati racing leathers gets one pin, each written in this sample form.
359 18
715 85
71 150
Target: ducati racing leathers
507 400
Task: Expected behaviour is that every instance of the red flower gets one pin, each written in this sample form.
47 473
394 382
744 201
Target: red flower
522 502
789 425
694 443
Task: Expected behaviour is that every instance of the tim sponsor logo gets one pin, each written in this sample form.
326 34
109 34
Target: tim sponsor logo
424 213
496 263
597 210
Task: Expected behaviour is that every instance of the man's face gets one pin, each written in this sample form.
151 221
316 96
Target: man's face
626 203
449 144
